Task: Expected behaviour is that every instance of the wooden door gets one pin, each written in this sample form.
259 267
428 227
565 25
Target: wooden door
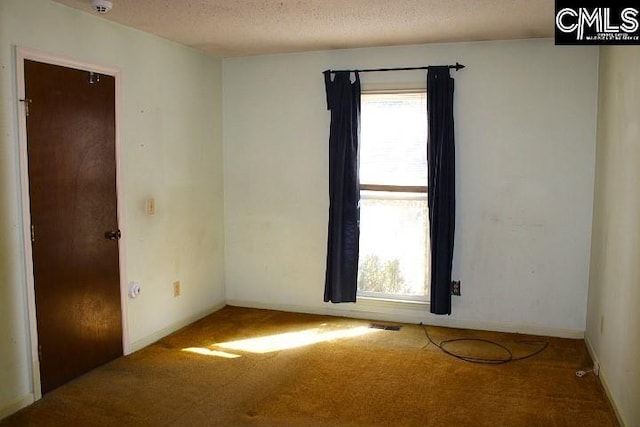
72 190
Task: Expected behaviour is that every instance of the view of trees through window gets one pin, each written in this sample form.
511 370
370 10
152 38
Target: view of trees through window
378 276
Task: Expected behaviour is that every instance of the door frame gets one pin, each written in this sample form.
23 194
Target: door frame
23 54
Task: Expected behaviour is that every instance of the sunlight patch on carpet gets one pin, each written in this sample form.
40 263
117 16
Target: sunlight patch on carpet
208 352
291 340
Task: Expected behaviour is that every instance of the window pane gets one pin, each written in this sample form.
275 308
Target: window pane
394 244
394 139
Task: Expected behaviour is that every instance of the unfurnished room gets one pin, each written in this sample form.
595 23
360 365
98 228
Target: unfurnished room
319 213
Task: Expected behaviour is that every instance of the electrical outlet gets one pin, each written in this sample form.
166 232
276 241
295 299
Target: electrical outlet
456 288
176 288
150 206
596 369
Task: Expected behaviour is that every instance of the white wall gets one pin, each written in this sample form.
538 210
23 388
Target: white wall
525 132
613 318
171 150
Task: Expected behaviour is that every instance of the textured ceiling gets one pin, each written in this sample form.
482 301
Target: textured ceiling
250 27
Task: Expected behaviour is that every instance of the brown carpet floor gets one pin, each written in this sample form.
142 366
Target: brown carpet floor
347 374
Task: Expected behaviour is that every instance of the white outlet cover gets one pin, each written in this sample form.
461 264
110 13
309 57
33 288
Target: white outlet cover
134 289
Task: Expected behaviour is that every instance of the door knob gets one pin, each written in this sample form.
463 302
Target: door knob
113 235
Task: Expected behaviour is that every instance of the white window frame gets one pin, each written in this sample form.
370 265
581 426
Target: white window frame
394 192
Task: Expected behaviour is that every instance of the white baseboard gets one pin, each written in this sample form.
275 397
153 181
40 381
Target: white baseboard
410 312
150 339
16 404
602 376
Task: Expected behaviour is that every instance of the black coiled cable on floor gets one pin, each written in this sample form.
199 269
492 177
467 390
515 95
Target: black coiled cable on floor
486 361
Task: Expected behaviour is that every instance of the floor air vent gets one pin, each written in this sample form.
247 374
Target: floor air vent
385 327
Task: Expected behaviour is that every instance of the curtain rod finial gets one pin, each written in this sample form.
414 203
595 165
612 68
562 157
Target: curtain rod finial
459 66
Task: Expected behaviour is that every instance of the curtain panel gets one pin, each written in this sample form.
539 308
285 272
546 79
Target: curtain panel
441 196
343 100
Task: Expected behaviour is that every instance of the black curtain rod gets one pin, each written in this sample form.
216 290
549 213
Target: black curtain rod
456 67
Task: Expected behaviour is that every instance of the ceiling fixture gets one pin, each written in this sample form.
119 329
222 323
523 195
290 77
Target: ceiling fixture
102 6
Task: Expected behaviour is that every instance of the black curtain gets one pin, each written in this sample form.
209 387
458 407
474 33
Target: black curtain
442 201
343 100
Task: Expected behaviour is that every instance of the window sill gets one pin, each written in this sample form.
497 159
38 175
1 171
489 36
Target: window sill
391 302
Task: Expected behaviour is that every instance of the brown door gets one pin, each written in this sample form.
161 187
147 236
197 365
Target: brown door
72 190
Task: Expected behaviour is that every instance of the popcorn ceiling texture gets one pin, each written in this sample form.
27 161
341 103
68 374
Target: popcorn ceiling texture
253 27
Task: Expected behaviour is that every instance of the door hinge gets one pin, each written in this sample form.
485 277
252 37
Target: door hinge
94 77
33 233
27 102
113 235
39 352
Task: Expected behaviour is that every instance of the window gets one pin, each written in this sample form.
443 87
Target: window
394 234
